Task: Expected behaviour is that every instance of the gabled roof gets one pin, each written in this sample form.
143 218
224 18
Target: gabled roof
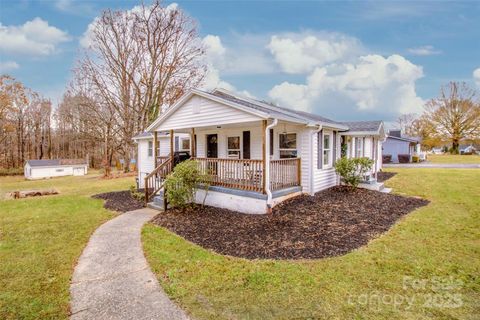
365 127
406 139
252 106
274 110
56 162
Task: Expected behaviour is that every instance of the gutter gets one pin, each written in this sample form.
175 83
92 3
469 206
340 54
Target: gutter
311 170
267 165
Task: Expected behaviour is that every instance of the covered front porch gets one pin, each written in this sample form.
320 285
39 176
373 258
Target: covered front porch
250 157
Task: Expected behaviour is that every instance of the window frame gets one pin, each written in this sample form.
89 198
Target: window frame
358 147
181 144
280 149
150 149
327 151
235 151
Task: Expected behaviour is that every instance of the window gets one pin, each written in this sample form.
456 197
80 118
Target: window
358 147
150 148
327 150
185 144
287 144
233 147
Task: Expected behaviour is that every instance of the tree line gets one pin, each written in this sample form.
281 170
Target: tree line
137 63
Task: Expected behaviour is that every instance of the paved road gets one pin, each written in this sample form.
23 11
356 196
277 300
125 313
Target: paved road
113 280
432 165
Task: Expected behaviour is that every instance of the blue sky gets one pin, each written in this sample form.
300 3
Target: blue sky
346 60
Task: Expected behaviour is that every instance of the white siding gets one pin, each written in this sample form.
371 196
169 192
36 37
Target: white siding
394 147
145 163
379 155
201 112
50 172
305 149
222 135
323 178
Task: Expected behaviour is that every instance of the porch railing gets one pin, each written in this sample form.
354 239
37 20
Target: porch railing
285 173
162 159
247 174
244 174
154 181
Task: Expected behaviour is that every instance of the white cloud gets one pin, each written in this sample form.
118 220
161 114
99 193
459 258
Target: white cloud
35 37
476 76
424 51
372 84
216 60
302 52
8 66
80 8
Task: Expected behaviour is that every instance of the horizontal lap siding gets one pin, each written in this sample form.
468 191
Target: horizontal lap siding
201 112
323 178
223 134
305 149
51 172
145 163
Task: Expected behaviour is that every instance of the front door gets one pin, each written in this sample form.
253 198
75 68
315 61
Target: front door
212 152
212 146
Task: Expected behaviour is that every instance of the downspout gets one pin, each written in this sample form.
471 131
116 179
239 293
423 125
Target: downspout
311 169
267 165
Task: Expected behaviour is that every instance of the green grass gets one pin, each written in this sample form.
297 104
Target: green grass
41 239
453 158
439 240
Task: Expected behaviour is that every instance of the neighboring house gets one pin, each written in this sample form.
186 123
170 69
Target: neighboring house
396 144
39 169
468 149
258 154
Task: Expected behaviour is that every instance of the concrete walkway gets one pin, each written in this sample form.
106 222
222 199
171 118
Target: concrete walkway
433 165
113 280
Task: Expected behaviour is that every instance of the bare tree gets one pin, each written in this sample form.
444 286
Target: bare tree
455 115
139 61
405 122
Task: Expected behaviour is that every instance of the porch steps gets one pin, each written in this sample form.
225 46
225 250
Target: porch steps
375 186
386 190
157 203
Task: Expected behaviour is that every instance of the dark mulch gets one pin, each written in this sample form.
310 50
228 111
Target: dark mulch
384 176
121 201
333 222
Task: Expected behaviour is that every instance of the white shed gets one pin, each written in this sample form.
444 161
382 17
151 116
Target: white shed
40 169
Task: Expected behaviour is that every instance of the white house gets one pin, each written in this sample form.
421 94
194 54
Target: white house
258 154
396 144
40 169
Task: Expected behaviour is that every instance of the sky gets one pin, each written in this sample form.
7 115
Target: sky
347 60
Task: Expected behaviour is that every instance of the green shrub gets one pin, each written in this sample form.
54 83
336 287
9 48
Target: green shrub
181 185
136 194
352 170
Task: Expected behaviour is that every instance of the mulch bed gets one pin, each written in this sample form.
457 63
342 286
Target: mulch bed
121 201
333 222
384 176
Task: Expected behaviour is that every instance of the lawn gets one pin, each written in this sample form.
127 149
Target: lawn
453 158
41 239
403 274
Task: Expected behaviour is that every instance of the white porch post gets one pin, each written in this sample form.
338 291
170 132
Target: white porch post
266 162
155 141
